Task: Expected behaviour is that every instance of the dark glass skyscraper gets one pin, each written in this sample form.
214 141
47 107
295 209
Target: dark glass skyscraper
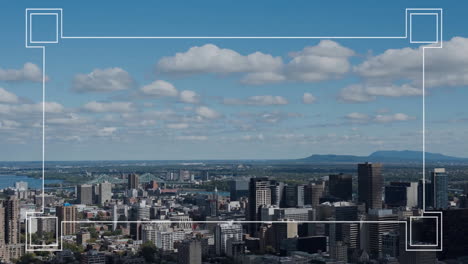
341 186
370 184
259 194
439 183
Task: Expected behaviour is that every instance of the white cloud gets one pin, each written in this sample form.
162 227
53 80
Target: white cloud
8 124
103 80
106 131
207 112
29 72
444 67
253 137
365 118
101 107
393 118
71 119
177 125
160 88
187 96
192 138
7 97
308 98
326 60
357 116
50 107
359 93
258 100
211 59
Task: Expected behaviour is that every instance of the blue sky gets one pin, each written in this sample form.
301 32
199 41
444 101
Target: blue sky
231 99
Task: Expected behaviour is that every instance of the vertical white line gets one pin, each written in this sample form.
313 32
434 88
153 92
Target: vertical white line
424 128
43 128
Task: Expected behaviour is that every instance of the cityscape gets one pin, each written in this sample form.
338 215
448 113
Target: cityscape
221 213
237 132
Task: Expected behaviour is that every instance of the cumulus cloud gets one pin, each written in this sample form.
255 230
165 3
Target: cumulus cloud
49 107
388 118
7 97
177 125
192 138
210 58
29 72
393 118
106 131
308 98
191 97
207 112
103 80
444 67
258 100
358 93
159 88
326 60
357 116
102 107
71 119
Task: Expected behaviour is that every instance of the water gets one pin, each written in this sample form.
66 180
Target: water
33 183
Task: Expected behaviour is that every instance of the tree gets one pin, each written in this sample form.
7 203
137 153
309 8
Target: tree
148 251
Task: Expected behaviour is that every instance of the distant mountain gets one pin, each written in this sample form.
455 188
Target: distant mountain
388 156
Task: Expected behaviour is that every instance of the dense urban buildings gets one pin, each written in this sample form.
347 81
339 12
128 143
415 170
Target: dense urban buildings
190 216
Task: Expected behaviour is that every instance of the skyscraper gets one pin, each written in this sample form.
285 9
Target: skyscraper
85 194
259 194
66 212
238 188
105 192
11 210
223 233
370 184
440 185
190 252
341 186
399 194
133 181
388 223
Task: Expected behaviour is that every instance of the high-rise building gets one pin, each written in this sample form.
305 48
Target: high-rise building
238 188
370 184
105 192
66 212
388 222
2 224
293 196
165 240
401 194
313 192
11 208
282 231
277 193
391 244
425 194
133 181
223 233
85 194
259 194
21 186
341 186
190 252
440 185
